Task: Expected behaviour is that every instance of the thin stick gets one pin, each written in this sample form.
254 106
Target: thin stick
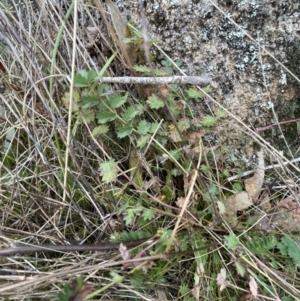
247 173
201 81
103 246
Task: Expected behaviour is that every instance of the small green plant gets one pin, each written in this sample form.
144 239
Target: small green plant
75 291
289 249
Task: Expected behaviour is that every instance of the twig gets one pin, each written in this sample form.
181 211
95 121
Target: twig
201 81
276 124
247 173
103 246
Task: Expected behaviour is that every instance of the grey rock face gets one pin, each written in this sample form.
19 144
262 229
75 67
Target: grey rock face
227 40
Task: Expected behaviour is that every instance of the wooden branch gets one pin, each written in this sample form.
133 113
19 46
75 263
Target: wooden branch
201 81
103 246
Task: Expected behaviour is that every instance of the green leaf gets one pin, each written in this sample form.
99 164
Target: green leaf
116 100
88 115
76 291
130 113
183 125
208 121
153 127
292 249
115 276
89 101
238 187
124 131
128 218
220 113
89 98
155 103
226 173
108 171
91 75
222 208
148 214
142 141
167 66
143 127
75 103
175 172
103 88
204 168
83 73
104 117
231 241
168 193
183 289
194 93
240 269
282 248
260 245
143 69
80 81
136 279
100 130
121 209
159 72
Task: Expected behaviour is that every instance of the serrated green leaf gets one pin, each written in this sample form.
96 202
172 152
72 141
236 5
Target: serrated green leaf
115 276
89 98
204 168
116 100
100 130
240 269
208 121
104 117
122 208
222 208
142 141
226 173
231 241
168 193
87 115
220 113
128 218
124 131
75 103
142 69
238 187
89 101
136 279
129 113
83 73
153 127
183 125
103 88
292 249
148 214
183 289
175 172
159 72
143 127
155 103
282 248
108 171
91 75
194 93
81 80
